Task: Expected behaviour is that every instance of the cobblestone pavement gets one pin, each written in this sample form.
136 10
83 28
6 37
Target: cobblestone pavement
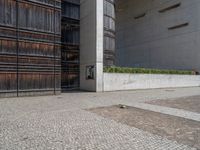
59 122
184 131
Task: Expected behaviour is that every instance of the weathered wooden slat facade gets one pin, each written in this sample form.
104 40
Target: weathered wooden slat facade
40 45
70 44
30 50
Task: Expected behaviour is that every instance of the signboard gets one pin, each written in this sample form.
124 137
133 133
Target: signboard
90 72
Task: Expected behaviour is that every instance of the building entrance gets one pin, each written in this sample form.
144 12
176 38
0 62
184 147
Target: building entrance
70 44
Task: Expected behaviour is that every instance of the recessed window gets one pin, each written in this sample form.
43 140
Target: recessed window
170 7
178 26
140 16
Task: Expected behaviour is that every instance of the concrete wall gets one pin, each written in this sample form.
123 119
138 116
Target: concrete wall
91 43
147 42
118 82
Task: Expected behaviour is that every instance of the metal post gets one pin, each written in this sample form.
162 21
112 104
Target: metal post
54 46
17 43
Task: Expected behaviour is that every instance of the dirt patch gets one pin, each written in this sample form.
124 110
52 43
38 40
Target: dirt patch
186 103
174 128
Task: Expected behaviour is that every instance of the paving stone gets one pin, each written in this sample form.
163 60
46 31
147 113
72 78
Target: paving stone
78 129
59 122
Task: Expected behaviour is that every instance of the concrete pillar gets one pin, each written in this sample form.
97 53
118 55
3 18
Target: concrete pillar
91 44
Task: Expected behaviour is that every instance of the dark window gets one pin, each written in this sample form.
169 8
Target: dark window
170 7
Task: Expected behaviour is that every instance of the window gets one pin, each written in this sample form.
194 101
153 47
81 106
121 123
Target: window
170 7
178 26
70 10
109 23
140 16
8 12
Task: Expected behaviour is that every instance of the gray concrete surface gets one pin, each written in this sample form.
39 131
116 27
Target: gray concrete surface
144 42
91 43
60 122
125 81
168 111
147 42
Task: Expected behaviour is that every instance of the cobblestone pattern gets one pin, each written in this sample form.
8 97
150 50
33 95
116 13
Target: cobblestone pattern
77 130
59 122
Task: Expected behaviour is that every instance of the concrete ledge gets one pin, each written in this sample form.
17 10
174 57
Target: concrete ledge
123 81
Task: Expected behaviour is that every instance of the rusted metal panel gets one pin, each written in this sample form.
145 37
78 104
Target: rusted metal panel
30 51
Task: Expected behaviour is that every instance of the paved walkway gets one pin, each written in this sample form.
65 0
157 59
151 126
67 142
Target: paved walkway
60 122
168 111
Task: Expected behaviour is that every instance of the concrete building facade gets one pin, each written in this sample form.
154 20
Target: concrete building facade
98 33
149 34
158 34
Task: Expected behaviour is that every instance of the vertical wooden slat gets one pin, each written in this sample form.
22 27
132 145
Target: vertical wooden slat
27 40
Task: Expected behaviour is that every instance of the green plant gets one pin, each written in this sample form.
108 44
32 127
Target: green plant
145 71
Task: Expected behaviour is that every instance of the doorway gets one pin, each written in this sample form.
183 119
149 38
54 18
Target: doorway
70 49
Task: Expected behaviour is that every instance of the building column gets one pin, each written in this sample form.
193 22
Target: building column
91 45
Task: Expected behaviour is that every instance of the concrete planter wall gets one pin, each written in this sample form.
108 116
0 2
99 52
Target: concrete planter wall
123 81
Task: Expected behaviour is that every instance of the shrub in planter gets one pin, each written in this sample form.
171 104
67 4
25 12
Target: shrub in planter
147 71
